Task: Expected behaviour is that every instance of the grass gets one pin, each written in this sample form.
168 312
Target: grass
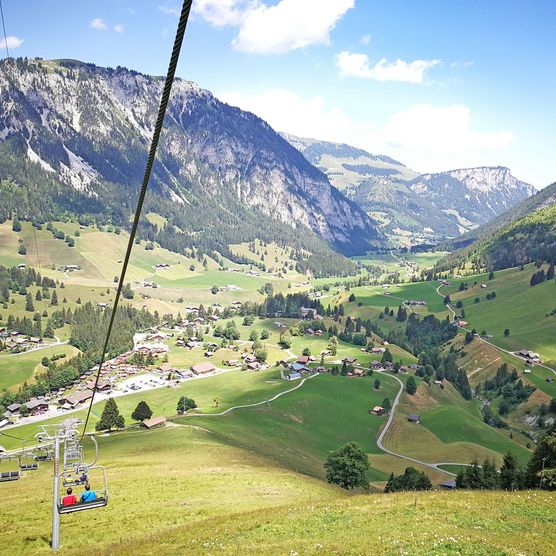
17 369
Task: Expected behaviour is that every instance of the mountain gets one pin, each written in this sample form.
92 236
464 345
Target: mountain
523 234
222 175
412 207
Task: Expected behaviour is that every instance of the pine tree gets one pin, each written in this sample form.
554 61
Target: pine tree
411 386
54 300
110 418
38 296
142 412
29 303
509 473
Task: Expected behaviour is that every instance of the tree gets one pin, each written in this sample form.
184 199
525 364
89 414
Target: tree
38 296
184 404
447 300
45 362
54 299
411 386
410 480
509 473
265 334
16 225
377 384
543 460
142 412
253 336
286 339
22 250
306 351
214 290
491 275
550 272
351 298
29 303
386 404
348 467
507 332
387 357
127 292
110 418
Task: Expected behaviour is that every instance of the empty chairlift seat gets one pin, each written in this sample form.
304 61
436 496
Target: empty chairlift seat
29 466
9 476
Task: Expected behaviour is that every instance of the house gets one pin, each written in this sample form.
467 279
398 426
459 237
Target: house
550 379
438 382
162 265
13 408
309 332
21 266
213 318
231 362
414 303
318 332
303 359
102 305
77 398
484 286
358 372
209 353
293 376
526 371
254 366
378 410
414 418
298 368
203 368
154 422
450 484
37 407
461 323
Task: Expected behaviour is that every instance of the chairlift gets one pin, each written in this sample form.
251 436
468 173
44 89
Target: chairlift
101 494
12 475
31 465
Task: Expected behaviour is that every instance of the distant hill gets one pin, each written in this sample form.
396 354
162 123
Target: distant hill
412 207
222 175
523 234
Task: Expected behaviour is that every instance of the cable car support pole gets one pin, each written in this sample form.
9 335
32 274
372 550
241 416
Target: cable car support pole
55 496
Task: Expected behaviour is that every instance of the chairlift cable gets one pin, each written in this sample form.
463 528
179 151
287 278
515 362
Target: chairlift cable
182 25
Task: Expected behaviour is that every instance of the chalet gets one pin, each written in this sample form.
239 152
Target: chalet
76 399
358 372
385 286
13 408
414 418
449 484
550 379
213 318
318 332
102 305
378 351
293 376
298 368
484 286
254 366
71 267
414 303
309 332
21 266
209 353
461 323
203 368
154 422
438 382
249 358
376 365
378 410
37 407
102 386
231 362
529 355
526 371
387 294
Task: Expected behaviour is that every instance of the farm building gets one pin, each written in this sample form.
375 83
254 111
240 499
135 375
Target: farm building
293 376
378 410
203 368
414 418
154 422
37 407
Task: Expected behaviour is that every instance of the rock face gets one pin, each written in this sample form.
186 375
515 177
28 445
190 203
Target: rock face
88 128
425 207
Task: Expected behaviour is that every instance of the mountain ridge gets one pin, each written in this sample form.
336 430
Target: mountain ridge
88 128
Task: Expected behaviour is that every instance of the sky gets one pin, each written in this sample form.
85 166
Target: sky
435 84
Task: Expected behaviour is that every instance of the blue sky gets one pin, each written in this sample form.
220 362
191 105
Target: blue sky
437 84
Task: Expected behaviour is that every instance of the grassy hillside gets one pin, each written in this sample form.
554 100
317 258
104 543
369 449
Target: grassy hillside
180 490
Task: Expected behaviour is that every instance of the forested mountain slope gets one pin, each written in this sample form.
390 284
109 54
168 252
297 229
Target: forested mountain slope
222 175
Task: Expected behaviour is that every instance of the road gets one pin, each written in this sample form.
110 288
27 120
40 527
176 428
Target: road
58 342
480 338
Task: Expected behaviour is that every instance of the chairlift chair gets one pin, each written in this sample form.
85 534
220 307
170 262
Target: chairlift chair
12 475
101 494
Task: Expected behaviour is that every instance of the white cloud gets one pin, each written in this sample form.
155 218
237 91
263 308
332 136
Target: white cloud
220 13
357 65
170 10
427 138
287 111
365 40
119 28
98 24
275 29
11 42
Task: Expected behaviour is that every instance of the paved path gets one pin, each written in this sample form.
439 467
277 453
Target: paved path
380 444
229 410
